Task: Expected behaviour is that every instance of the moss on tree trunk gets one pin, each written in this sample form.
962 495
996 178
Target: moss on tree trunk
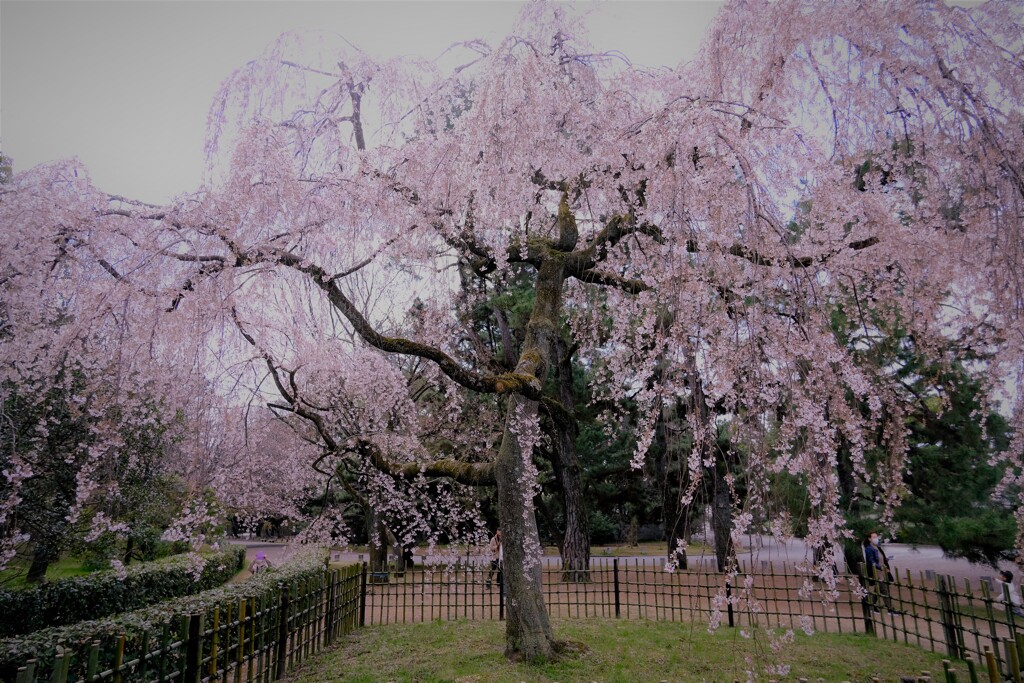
528 630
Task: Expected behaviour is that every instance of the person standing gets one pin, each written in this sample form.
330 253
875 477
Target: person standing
1006 579
497 556
879 573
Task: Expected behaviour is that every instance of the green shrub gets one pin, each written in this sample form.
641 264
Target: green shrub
602 529
75 639
168 548
98 554
77 598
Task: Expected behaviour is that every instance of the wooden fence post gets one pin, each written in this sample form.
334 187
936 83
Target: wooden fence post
950 673
282 634
194 648
1008 606
240 648
972 669
501 594
118 660
615 579
362 597
354 599
214 643
165 640
865 602
947 614
728 601
143 656
93 663
1012 660
990 663
61 664
27 673
332 578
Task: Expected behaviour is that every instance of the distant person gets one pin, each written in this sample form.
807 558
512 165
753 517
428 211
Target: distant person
1006 579
261 563
879 573
497 556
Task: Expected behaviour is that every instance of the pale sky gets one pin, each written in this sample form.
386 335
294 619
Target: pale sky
125 86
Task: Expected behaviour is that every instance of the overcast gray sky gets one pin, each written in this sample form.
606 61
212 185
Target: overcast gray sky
125 86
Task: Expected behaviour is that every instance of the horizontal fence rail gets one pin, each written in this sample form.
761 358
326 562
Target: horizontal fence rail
256 640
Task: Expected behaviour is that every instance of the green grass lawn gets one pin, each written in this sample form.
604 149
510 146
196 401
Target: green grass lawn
13 578
606 651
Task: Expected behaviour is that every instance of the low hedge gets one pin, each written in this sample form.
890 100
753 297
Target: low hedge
74 599
76 639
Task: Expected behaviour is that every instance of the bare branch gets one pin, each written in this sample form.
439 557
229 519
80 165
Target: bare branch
471 474
488 384
597 277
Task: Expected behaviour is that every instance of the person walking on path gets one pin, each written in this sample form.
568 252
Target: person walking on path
497 556
261 563
879 573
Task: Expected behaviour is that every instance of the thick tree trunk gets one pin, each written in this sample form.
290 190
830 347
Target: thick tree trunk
42 558
527 629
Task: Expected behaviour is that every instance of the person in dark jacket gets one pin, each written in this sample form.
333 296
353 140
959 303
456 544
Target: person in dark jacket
879 573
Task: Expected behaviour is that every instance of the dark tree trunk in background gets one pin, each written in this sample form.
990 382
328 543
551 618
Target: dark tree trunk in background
576 538
633 532
568 473
42 558
721 517
407 559
545 513
853 549
403 554
378 542
678 533
676 516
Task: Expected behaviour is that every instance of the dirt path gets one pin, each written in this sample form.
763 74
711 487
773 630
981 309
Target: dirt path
276 553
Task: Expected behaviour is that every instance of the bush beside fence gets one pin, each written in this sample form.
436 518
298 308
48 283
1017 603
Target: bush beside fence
74 599
234 626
